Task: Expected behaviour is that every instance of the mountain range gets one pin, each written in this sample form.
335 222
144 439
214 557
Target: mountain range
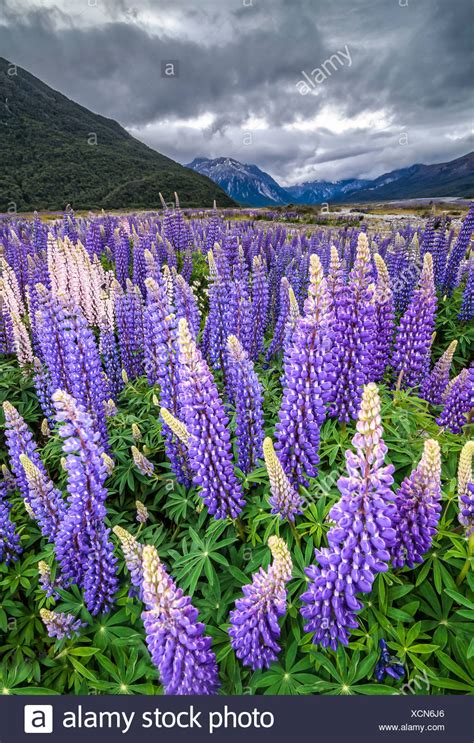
54 152
248 184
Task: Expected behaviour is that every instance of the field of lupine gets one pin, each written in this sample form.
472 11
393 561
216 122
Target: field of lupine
235 457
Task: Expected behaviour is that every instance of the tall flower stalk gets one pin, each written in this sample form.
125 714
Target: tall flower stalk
254 630
361 537
202 412
82 547
418 509
308 378
285 499
175 638
247 392
354 334
434 385
466 488
411 355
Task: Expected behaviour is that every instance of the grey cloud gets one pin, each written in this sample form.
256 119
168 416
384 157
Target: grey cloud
414 63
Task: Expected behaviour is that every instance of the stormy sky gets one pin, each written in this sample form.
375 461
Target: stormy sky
397 91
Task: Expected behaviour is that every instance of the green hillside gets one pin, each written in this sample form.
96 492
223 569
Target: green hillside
47 158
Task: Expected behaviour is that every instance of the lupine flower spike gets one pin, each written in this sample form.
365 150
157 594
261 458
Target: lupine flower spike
254 630
143 465
45 500
205 419
133 554
360 539
59 624
46 581
177 427
142 512
247 392
458 401
284 499
176 640
466 488
411 355
388 664
9 540
417 509
82 544
434 385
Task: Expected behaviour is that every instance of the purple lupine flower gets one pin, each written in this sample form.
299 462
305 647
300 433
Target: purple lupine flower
308 377
160 336
93 243
466 488
6 333
109 351
467 308
133 555
388 664
279 332
247 393
418 508
139 264
83 548
186 305
254 630
175 228
360 539
162 366
440 254
458 401
466 504
335 277
60 625
213 229
42 385
434 385
458 251
84 373
69 224
284 499
46 582
203 414
20 441
129 315
45 500
9 540
240 312
121 249
428 238
71 355
49 322
142 512
354 335
175 638
411 355
143 465
218 321
293 317
384 320
153 265
260 300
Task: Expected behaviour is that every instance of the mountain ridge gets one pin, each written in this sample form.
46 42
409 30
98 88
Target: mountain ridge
53 151
244 182
451 178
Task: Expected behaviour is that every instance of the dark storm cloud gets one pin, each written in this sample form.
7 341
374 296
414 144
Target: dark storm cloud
411 67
